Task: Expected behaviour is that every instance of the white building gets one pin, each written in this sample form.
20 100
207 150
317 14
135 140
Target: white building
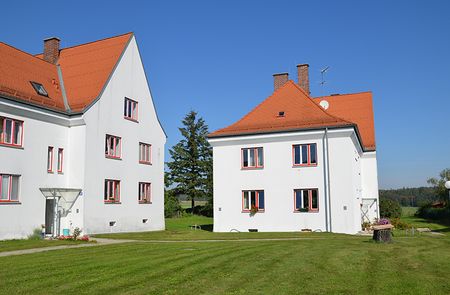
302 163
80 141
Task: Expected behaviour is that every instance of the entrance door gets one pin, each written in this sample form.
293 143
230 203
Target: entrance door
50 216
369 210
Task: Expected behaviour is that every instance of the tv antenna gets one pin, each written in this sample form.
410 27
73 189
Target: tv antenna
323 81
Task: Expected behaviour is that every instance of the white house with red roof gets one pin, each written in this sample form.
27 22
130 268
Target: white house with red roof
80 141
297 162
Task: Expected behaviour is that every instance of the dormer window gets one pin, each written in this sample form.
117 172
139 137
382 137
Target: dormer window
39 88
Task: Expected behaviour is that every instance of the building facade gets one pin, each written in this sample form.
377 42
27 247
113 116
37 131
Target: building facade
80 141
297 163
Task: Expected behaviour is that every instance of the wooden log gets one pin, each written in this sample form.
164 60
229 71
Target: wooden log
382 235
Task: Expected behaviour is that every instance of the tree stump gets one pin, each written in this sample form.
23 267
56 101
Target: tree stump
382 233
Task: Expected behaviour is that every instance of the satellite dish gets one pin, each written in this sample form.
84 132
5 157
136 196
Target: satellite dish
324 104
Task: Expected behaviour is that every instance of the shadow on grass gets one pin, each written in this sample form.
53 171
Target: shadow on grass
207 227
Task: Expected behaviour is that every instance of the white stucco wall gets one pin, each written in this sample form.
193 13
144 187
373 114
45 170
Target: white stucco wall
106 117
279 178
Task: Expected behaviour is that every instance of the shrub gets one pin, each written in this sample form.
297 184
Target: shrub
36 235
399 224
428 212
390 208
171 204
76 233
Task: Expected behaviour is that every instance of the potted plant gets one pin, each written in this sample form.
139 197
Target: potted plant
253 210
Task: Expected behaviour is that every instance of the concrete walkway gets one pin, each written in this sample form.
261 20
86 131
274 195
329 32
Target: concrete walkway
99 242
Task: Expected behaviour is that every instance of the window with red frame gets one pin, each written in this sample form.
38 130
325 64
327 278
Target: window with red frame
60 160
306 200
144 192
50 159
145 153
11 132
304 154
130 109
252 158
113 146
112 191
253 199
9 188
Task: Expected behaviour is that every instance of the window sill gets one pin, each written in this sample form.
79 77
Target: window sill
10 203
50 171
142 202
112 203
248 211
145 163
113 158
20 147
131 119
304 165
315 211
252 168
60 172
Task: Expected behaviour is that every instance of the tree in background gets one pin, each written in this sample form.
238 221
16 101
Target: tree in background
190 170
172 205
438 184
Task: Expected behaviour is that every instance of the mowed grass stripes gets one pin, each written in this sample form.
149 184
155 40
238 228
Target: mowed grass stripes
344 265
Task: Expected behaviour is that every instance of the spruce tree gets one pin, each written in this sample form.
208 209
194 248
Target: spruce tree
190 169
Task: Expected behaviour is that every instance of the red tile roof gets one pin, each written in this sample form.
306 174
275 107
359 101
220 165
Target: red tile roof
357 108
301 112
85 70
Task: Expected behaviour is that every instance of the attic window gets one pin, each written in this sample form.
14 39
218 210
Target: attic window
39 88
281 114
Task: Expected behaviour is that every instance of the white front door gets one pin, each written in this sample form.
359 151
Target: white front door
369 210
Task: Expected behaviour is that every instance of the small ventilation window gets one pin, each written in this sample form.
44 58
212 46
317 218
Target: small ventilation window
112 223
281 114
39 88
145 220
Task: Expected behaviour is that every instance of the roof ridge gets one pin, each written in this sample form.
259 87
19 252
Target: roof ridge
27 53
87 43
342 94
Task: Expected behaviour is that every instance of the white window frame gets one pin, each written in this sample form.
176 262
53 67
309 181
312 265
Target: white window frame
111 192
9 188
131 109
112 152
145 153
145 193
50 150
15 140
257 151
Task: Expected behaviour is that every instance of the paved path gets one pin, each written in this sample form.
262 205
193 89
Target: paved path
99 242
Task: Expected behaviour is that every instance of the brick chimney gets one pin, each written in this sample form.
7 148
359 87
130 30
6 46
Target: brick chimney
303 77
51 49
279 80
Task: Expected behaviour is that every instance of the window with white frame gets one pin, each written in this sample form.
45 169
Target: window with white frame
253 199
252 157
130 109
304 154
112 191
9 188
144 192
306 200
11 131
60 160
50 159
145 153
113 146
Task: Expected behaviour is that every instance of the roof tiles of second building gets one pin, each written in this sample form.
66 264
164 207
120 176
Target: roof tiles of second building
288 108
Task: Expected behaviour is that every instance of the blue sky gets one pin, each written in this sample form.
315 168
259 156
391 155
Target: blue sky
218 57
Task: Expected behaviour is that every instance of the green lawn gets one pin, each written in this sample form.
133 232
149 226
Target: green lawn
325 264
409 211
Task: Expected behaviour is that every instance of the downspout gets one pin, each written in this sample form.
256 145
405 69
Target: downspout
325 180
328 178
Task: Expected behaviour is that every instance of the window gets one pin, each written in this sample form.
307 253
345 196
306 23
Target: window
10 131
130 109
145 153
304 154
39 88
112 191
113 146
253 199
306 200
60 160
252 158
144 192
50 159
9 188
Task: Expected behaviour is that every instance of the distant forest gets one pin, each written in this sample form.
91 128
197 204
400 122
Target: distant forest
410 197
